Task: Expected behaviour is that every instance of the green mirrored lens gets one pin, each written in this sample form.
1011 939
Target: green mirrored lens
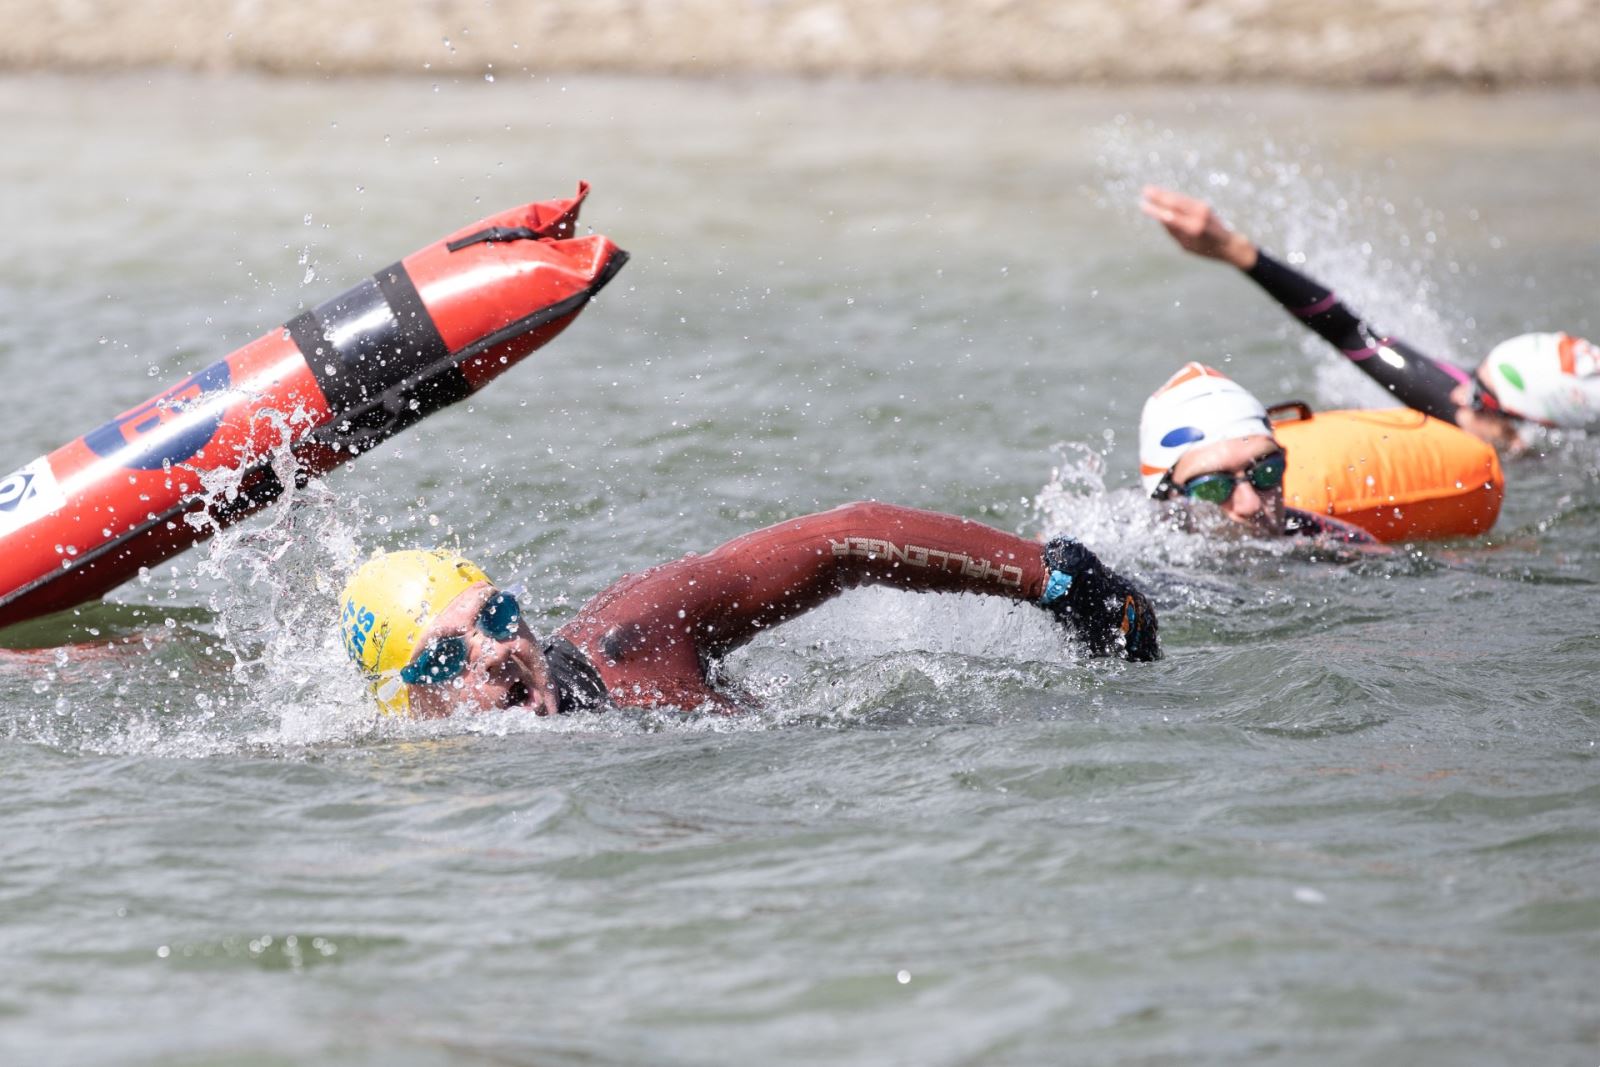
1212 488
1268 473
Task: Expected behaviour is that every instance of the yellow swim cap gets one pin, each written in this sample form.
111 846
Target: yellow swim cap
387 605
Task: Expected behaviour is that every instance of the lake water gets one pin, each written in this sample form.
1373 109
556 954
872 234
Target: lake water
1350 819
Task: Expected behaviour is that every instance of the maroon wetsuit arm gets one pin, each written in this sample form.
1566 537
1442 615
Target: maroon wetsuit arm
652 636
766 577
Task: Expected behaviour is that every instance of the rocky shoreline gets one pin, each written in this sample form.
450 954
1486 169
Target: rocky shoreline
1484 43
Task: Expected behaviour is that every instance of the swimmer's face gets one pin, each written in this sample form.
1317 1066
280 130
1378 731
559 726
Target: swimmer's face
1259 510
499 672
1495 427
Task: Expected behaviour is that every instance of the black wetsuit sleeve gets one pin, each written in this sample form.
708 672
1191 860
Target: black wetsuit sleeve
578 684
1416 380
1299 523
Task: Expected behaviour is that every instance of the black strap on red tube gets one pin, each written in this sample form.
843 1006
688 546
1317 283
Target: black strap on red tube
495 234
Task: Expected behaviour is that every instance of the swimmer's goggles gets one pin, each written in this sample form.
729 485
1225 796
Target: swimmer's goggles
1264 474
1484 402
445 658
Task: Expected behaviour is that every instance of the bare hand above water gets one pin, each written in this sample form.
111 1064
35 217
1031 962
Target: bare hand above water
1196 227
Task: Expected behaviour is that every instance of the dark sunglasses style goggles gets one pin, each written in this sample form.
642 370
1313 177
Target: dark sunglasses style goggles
1264 474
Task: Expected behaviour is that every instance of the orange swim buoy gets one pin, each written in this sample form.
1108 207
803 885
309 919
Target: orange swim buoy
330 384
1397 473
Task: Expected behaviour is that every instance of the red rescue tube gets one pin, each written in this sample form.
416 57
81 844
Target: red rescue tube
331 383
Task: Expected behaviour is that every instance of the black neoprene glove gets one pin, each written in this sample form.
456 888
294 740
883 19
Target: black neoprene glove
1106 609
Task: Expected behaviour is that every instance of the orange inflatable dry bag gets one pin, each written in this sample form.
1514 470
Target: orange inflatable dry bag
1397 473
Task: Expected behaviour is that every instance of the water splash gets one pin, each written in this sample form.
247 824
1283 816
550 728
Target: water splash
1382 257
1123 526
274 583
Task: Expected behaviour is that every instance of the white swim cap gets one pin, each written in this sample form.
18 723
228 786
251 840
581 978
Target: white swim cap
1547 377
1197 406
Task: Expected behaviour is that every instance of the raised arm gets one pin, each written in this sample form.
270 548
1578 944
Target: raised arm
1419 381
707 605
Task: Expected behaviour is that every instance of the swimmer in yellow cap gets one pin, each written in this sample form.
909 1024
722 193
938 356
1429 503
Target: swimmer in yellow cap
1550 379
432 633
401 602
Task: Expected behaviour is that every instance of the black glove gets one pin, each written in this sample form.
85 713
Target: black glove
1105 608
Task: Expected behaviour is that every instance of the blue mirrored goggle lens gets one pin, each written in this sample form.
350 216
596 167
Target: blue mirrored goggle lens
500 615
440 662
445 659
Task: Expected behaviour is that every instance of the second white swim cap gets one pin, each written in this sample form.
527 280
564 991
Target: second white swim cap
1197 406
1547 377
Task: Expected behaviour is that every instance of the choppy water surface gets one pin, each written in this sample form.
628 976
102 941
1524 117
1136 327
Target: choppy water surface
1351 818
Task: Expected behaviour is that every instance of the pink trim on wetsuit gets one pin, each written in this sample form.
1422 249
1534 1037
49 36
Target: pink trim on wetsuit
1414 378
1356 355
1318 308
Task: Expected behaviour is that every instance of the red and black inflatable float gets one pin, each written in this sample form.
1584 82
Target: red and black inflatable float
331 383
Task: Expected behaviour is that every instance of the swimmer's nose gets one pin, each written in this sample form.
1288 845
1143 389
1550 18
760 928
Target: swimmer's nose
492 663
1246 501
491 652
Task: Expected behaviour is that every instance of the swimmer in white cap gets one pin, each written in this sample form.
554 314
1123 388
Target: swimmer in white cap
1547 378
1205 438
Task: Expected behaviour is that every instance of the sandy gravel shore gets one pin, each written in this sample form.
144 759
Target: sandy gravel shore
1481 42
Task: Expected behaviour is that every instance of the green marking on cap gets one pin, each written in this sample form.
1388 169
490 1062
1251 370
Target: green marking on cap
1512 376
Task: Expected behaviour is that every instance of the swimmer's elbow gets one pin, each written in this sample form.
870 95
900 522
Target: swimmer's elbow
865 515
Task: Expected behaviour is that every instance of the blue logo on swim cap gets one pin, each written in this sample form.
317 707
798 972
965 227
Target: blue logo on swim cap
1183 435
169 429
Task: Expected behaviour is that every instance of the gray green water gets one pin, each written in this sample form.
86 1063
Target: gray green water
1350 819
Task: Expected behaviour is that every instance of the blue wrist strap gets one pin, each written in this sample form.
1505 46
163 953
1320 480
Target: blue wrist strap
1056 588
